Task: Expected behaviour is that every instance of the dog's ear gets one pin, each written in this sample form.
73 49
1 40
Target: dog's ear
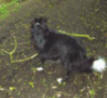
44 20
41 20
32 23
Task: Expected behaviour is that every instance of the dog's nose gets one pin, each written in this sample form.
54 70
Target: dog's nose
37 24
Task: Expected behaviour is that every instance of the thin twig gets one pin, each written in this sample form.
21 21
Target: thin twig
77 35
11 53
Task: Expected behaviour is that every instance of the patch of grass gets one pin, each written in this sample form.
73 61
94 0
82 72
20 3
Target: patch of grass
31 84
5 8
92 93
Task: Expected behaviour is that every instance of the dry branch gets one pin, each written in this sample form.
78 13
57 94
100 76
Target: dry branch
11 53
77 35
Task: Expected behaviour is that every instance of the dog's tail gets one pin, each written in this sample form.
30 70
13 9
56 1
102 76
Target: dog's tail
91 64
99 65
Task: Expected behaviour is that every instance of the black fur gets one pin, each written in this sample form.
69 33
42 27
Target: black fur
52 46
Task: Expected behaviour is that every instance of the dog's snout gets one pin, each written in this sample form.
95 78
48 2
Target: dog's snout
37 24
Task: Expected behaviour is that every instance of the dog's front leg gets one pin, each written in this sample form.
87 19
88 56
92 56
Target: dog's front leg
42 58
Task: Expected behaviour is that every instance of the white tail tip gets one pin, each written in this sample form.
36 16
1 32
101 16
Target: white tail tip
99 65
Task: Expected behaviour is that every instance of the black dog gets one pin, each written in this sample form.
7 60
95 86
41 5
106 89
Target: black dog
52 46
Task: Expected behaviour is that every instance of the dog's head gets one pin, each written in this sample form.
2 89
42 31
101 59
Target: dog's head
39 30
39 24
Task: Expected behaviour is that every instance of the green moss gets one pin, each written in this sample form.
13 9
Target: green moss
4 8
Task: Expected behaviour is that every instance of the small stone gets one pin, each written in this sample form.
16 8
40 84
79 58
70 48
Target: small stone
39 69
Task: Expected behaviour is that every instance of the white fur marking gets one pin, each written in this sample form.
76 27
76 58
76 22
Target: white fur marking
99 65
37 24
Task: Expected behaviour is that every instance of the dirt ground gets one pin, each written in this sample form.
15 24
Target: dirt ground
22 80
